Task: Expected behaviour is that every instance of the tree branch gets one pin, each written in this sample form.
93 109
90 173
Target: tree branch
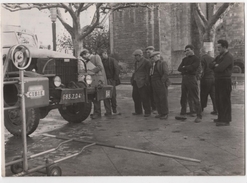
24 6
86 7
125 5
201 14
199 22
66 26
217 15
95 22
70 10
79 8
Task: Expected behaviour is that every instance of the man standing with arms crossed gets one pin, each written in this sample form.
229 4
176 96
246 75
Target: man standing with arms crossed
188 68
222 67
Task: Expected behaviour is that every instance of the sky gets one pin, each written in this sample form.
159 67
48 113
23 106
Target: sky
39 22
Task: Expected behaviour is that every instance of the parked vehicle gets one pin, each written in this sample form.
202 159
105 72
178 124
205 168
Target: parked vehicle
51 82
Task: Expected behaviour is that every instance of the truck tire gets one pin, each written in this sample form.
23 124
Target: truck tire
76 113
13 121
237 69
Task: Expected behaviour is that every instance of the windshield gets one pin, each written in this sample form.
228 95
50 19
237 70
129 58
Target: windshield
9 39
26 39
13 38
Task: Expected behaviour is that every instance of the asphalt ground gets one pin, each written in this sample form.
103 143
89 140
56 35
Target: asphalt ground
221 150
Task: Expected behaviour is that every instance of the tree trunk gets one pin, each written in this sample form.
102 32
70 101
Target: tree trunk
78 45
208 41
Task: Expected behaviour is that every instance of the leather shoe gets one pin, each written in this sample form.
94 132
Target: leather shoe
164 116
198 120
95 116
214 113
147 115
222 124
114 111
157 116
108 114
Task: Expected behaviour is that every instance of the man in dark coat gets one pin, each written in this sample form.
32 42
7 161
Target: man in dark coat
207 85
160 82
149 51
112 75
222 67
188 68
141 84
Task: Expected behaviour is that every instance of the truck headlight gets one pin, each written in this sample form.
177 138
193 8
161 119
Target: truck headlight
89 79
57 81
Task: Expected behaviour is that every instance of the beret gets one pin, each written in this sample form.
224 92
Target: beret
138 52
154 53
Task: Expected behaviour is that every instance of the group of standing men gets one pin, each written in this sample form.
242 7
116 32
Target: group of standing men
150 83
107 70
215 81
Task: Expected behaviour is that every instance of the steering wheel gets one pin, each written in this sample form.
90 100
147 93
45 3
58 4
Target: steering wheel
20 56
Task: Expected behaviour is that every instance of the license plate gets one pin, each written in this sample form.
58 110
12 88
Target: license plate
72 96
108 94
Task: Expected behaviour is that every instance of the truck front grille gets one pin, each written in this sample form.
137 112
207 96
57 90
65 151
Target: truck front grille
67 70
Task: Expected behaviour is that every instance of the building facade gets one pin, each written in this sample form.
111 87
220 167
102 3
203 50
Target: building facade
169 27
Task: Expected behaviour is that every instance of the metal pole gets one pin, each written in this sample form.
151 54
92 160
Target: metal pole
23 110
127 148
54 35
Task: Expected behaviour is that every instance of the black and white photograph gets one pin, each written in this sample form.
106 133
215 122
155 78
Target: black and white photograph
142 90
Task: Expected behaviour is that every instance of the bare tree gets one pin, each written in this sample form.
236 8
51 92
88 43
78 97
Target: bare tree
77 31
206 24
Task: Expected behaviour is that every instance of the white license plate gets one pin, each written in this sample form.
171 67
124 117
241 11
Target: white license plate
72 96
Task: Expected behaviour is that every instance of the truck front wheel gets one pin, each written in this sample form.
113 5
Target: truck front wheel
13 121
76 113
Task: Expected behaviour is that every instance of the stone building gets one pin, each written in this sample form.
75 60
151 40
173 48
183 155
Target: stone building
169 28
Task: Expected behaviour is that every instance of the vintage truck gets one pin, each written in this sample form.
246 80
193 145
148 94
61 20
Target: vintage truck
51 82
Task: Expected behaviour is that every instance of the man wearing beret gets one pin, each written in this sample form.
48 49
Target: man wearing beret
141 84
149 51
160 82
189 68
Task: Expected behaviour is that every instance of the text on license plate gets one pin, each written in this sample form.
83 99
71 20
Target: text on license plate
72 96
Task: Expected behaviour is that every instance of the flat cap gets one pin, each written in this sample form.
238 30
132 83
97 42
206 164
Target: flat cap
154 53
150 48
138 52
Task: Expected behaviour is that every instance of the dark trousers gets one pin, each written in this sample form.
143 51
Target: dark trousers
190 88
152 101
111 103
223 89
141 99
96 107
207 88
160 93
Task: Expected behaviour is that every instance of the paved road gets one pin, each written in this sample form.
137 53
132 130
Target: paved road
220 149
